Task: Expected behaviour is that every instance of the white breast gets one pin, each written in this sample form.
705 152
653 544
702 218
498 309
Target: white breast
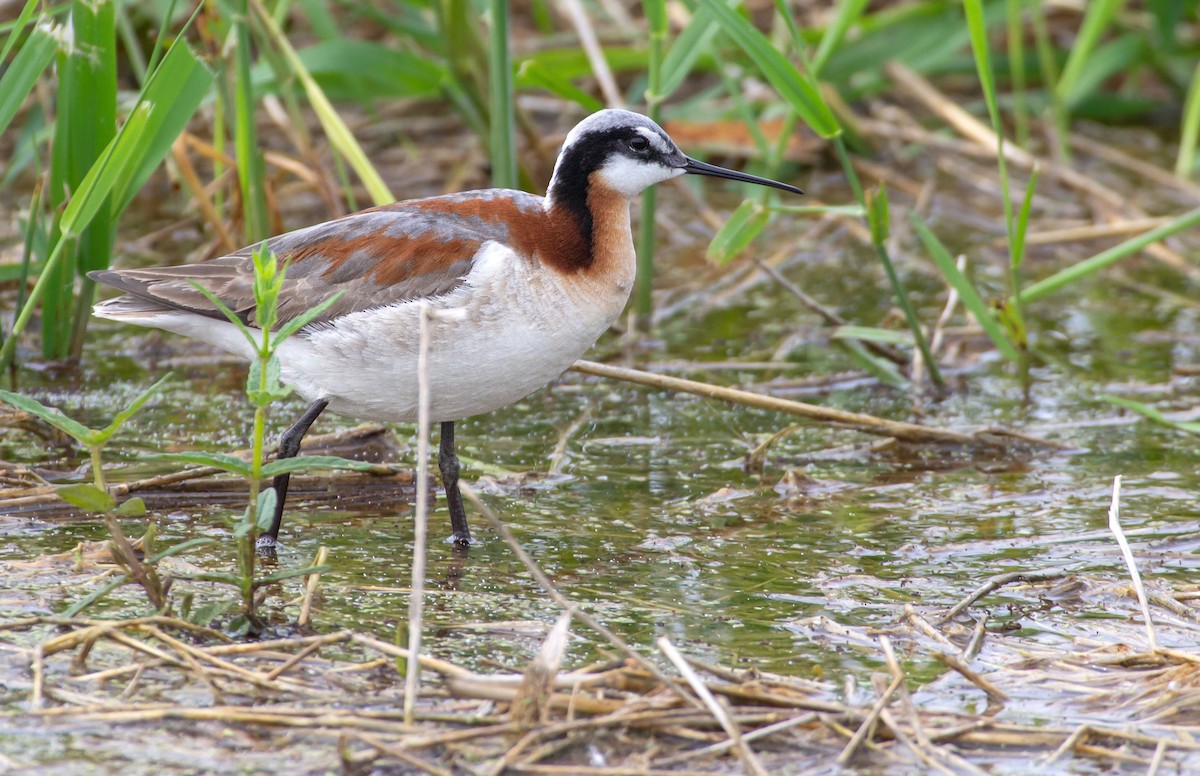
519 327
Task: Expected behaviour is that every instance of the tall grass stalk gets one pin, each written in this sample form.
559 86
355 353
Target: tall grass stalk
1016 69
656 20
501 112
1189 135
879 220
84 124
1096 19
250 168
340 136
801 92
1048 65
164 106
416 598
1015 231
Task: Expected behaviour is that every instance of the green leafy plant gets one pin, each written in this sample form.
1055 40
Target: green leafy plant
263 388
95 498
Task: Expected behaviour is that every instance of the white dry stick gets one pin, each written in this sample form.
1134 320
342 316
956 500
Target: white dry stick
749 759
416 597
1114 525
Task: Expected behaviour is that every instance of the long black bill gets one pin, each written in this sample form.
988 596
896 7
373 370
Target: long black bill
700 168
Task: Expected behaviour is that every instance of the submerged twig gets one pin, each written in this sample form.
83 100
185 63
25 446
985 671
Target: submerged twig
997 582
994 693
868 424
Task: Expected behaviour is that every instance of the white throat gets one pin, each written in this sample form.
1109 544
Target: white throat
630 177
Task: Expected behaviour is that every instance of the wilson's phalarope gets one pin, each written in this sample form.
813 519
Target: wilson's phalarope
536 280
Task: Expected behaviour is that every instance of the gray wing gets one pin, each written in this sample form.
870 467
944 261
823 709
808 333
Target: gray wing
395 253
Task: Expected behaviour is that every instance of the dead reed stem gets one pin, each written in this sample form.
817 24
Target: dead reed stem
869 424
1114 525
749 759
311 583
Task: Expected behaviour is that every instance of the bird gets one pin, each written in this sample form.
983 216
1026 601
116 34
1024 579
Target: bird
534 282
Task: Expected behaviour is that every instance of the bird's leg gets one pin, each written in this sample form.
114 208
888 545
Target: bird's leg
289 446
448 463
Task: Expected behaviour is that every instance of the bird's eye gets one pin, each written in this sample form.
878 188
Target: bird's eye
639 143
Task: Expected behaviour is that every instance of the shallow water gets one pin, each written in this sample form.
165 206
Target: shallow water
653 520
650 516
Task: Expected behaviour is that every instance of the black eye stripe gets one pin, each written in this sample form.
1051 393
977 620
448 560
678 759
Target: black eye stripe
639 143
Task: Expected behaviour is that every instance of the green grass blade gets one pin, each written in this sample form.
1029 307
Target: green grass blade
336 130
847 14
18 28
880 368
692 43
1016 67
1077 272
1048 69
532 74
1017 253
228 463
127 413
1096 20
55 417
798 89
872 334
1189 135
877 216
350 69
743 225
656 21
88 104
1114 59
966 290
95 595
176 87
250 167
303 319
102 178
302 462
502 118
1151 414
32 59
877 219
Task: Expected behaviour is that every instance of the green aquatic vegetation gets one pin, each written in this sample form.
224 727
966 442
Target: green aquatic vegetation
95 498
164 106
263 388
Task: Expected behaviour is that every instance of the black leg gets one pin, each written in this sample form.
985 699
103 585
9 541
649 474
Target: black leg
289 446
448 463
